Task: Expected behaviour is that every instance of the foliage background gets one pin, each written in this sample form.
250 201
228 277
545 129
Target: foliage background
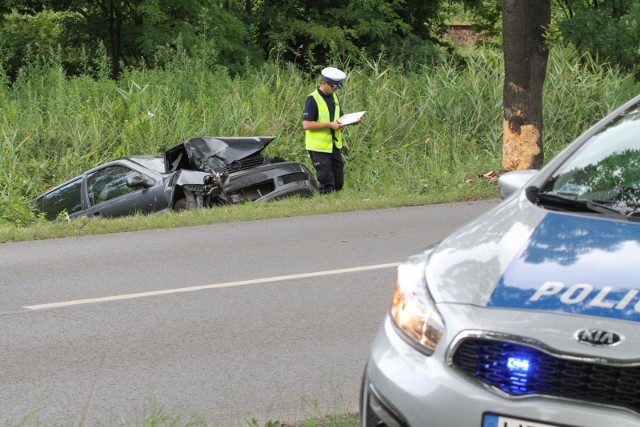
427 131
241 34
244 67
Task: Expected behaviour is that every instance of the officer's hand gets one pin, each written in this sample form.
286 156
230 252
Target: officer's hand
335 125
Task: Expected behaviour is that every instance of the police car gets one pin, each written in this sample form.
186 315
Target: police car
529 315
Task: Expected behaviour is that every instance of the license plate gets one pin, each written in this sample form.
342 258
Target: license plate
501 421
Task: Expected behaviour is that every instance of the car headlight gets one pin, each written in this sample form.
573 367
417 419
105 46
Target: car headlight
413 310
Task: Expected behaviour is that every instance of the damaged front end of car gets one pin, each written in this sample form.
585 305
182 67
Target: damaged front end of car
212 171
195 189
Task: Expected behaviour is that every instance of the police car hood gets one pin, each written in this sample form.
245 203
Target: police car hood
522 256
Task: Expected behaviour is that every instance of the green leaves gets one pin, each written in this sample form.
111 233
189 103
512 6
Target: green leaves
338 32
610 33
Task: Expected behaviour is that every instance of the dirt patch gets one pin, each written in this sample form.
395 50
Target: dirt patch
461 35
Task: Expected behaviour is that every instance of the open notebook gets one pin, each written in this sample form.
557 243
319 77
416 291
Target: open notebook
351 118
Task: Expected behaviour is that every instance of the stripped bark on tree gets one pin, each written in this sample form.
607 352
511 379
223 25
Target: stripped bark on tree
525 63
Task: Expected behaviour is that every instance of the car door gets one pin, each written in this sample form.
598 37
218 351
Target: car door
111 192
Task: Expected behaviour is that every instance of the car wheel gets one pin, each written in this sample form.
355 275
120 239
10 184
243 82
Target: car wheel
182 205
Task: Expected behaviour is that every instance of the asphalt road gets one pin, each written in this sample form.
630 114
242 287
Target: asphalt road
268 319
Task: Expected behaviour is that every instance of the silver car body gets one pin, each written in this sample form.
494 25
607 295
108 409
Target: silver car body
539 312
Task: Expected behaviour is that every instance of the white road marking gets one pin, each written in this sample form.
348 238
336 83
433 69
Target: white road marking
213 286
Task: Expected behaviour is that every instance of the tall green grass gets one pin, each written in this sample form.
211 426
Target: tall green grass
424 132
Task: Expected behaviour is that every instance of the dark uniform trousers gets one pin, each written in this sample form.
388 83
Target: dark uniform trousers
329 170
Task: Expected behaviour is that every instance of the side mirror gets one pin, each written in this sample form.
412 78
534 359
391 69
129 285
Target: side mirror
510 182
139 181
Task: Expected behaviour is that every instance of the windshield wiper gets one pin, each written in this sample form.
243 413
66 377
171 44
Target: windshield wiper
576 205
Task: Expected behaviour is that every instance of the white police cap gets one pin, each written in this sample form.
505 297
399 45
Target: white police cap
333 76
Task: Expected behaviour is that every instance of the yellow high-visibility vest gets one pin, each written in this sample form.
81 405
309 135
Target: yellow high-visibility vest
321 139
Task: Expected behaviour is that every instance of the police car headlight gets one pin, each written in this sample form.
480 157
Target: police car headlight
413 310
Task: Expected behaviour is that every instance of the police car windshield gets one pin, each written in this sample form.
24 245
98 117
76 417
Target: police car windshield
606 169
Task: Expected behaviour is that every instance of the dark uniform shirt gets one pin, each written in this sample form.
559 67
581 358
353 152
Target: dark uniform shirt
311 107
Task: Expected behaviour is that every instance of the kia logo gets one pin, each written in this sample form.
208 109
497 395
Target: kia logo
598 337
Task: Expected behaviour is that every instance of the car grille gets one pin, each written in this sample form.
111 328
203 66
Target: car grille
244 164
520 370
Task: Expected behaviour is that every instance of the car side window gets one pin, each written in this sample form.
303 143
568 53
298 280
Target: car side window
109 183
66 198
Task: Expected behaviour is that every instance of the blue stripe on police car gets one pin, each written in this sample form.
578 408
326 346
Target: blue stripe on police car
575 264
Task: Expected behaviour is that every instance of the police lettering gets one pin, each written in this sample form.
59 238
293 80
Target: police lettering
584 292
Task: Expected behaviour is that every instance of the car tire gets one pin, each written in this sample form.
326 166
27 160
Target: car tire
182 205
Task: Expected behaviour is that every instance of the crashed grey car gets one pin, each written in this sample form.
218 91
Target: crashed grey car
199 172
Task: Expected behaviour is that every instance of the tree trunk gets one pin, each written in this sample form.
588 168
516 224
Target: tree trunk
524 23
115 39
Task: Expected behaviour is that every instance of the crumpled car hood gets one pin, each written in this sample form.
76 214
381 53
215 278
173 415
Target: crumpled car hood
213 154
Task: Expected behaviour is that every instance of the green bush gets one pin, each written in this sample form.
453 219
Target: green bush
610 33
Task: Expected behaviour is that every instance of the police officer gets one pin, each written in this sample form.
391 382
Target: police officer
323 135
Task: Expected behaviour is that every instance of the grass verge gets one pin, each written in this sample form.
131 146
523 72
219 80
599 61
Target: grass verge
332 203
158 416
